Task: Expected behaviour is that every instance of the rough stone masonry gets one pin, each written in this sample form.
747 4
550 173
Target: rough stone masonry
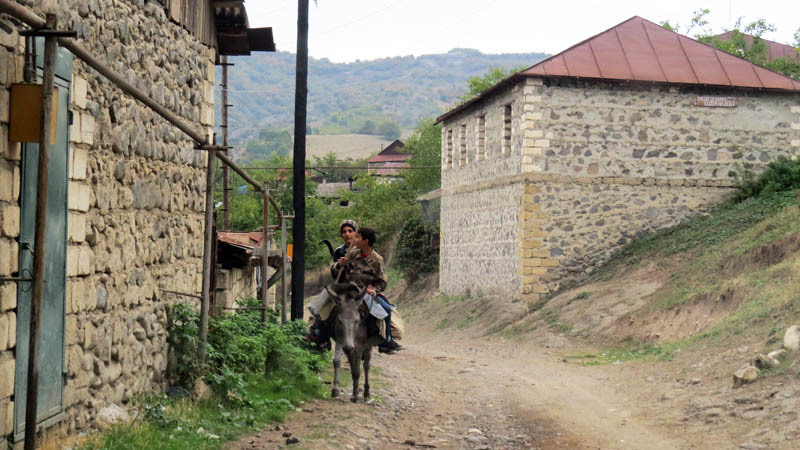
136 189
546 178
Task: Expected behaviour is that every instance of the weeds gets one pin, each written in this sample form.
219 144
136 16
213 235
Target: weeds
259 371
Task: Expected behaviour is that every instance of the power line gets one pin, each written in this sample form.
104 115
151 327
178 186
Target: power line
339 27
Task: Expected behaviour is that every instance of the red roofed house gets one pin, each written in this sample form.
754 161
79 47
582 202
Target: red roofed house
390 161
635 129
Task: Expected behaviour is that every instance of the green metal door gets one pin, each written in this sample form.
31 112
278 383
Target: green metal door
51 347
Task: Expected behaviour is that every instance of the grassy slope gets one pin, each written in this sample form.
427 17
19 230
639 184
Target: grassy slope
749 251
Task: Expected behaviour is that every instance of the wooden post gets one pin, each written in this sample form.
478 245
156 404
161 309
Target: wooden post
284 264
32 394
299 166
265 257
211 164
224 126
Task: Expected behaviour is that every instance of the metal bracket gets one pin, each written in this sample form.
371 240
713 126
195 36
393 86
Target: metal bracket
213 148
44 32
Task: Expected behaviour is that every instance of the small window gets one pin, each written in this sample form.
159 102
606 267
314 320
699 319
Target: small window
481 138
507 129
449 149
462 147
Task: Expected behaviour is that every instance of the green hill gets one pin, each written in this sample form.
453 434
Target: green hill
344 97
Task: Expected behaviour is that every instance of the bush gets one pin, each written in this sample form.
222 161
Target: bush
781 175
239 345
415 254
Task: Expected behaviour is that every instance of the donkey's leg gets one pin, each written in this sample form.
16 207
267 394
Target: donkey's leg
367 360
337 363
354 358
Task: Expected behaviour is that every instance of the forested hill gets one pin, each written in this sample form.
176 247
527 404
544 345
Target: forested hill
343 96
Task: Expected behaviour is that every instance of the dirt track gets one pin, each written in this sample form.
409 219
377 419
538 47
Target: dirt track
457 387
485 394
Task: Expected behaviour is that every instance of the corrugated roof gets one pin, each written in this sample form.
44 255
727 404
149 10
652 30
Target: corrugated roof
245 239
775 50
640 50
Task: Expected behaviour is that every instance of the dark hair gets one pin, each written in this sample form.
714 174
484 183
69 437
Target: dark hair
368 234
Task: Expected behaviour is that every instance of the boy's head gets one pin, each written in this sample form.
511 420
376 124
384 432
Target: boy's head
368 235
347 230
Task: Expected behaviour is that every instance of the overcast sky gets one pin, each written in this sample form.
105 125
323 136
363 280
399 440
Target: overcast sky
346 30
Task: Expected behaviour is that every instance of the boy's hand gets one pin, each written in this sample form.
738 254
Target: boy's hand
342 261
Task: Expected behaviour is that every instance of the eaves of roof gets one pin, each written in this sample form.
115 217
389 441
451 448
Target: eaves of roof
641 51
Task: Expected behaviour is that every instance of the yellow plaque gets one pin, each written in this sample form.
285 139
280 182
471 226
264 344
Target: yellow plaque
26 113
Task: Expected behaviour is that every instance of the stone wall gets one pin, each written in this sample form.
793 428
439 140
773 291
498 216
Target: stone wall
593 165
234 284
135 200
478 253
602 130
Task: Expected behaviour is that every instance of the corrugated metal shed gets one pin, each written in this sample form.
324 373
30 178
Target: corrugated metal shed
640 50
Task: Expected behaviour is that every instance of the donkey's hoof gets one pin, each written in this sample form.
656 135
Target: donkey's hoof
335 393
354 399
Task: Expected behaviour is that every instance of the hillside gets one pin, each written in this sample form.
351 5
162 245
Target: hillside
664 325
342 96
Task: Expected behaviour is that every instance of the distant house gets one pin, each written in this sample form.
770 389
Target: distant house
390 161
775 50
236 270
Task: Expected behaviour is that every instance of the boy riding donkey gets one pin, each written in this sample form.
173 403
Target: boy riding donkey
362 266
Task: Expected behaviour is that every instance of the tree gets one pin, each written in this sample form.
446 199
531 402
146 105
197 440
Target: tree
481 83
745 42
389 130
425 146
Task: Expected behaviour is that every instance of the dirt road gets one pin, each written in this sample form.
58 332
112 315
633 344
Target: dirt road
483 394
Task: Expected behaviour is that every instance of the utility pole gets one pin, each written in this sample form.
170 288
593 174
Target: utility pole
299 172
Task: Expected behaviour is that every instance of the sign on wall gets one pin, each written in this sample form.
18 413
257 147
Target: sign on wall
712 101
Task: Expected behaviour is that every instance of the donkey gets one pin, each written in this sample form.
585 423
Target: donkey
351 336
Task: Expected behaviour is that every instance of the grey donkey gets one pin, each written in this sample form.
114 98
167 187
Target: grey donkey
351 336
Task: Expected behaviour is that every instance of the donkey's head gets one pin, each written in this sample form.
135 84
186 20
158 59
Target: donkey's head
348 300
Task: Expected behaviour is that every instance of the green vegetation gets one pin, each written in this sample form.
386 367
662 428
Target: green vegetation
629 352
552 318
482 83
745 41
259 372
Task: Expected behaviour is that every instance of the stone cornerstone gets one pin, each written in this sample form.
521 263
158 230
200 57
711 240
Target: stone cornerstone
546 178
136 187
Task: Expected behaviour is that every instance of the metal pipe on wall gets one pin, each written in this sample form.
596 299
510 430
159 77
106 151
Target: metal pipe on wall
45 133
265 257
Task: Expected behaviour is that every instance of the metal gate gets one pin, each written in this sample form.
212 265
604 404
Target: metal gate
51 349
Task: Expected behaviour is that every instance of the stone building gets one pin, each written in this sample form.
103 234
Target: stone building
635 129
126 188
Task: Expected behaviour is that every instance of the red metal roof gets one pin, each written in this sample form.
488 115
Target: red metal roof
775 50
392 153
250 239
640 50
